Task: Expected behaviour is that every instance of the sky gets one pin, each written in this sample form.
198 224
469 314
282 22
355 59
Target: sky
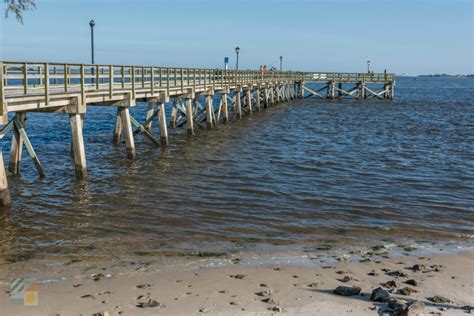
403 36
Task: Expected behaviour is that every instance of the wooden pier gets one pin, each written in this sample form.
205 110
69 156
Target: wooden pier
199 97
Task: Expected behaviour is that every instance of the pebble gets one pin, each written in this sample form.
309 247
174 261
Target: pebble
204 310
419 267
379 295
314 284
412 282
406 291
238 276
398 274
268 300
414 308
439 299
144 301
390 284
468 308
345 279
264 293
97 276
347 291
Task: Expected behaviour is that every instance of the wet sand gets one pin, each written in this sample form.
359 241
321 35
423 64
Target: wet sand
243 289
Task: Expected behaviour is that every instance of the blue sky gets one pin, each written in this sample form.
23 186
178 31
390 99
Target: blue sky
404 36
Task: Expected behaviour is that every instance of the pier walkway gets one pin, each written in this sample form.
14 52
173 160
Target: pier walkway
199 97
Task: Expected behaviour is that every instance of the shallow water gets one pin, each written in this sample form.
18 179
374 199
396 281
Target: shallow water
307 172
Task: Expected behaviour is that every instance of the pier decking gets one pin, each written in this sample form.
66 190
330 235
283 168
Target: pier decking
198 96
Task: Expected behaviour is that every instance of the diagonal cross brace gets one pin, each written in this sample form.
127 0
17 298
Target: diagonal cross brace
16 123
142 129
313 92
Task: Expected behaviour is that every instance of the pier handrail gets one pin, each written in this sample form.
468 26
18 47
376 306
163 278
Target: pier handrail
44 79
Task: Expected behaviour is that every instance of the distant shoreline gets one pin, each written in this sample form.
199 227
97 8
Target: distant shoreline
445 76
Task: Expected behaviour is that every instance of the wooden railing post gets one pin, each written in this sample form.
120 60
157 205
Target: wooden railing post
66 78
168 81
152 80
133 82
122 72
2 91
111 81
97 77
25 78
46 83
83 88
160 77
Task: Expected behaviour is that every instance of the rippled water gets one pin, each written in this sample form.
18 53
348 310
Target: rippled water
305 172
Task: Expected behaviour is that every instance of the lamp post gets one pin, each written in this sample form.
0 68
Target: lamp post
92 24
281 63
368 66
237 51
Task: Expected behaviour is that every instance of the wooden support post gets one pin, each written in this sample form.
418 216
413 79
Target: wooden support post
174 113
149 114
301 96
209 111
17 146
257 99
265 98
362 92
392 88
248 95
127 132
272 96
78 144
163 129
238 105
117 128
225 108
189 116
4 193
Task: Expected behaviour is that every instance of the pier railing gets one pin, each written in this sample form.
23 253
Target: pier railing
37 79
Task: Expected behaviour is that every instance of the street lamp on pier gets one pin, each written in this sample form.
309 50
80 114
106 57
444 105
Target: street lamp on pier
237 51
281 63
92 24
368 66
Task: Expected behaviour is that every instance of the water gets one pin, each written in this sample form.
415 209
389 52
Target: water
300 174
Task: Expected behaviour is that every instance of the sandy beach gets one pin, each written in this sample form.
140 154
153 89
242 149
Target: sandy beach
444 283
